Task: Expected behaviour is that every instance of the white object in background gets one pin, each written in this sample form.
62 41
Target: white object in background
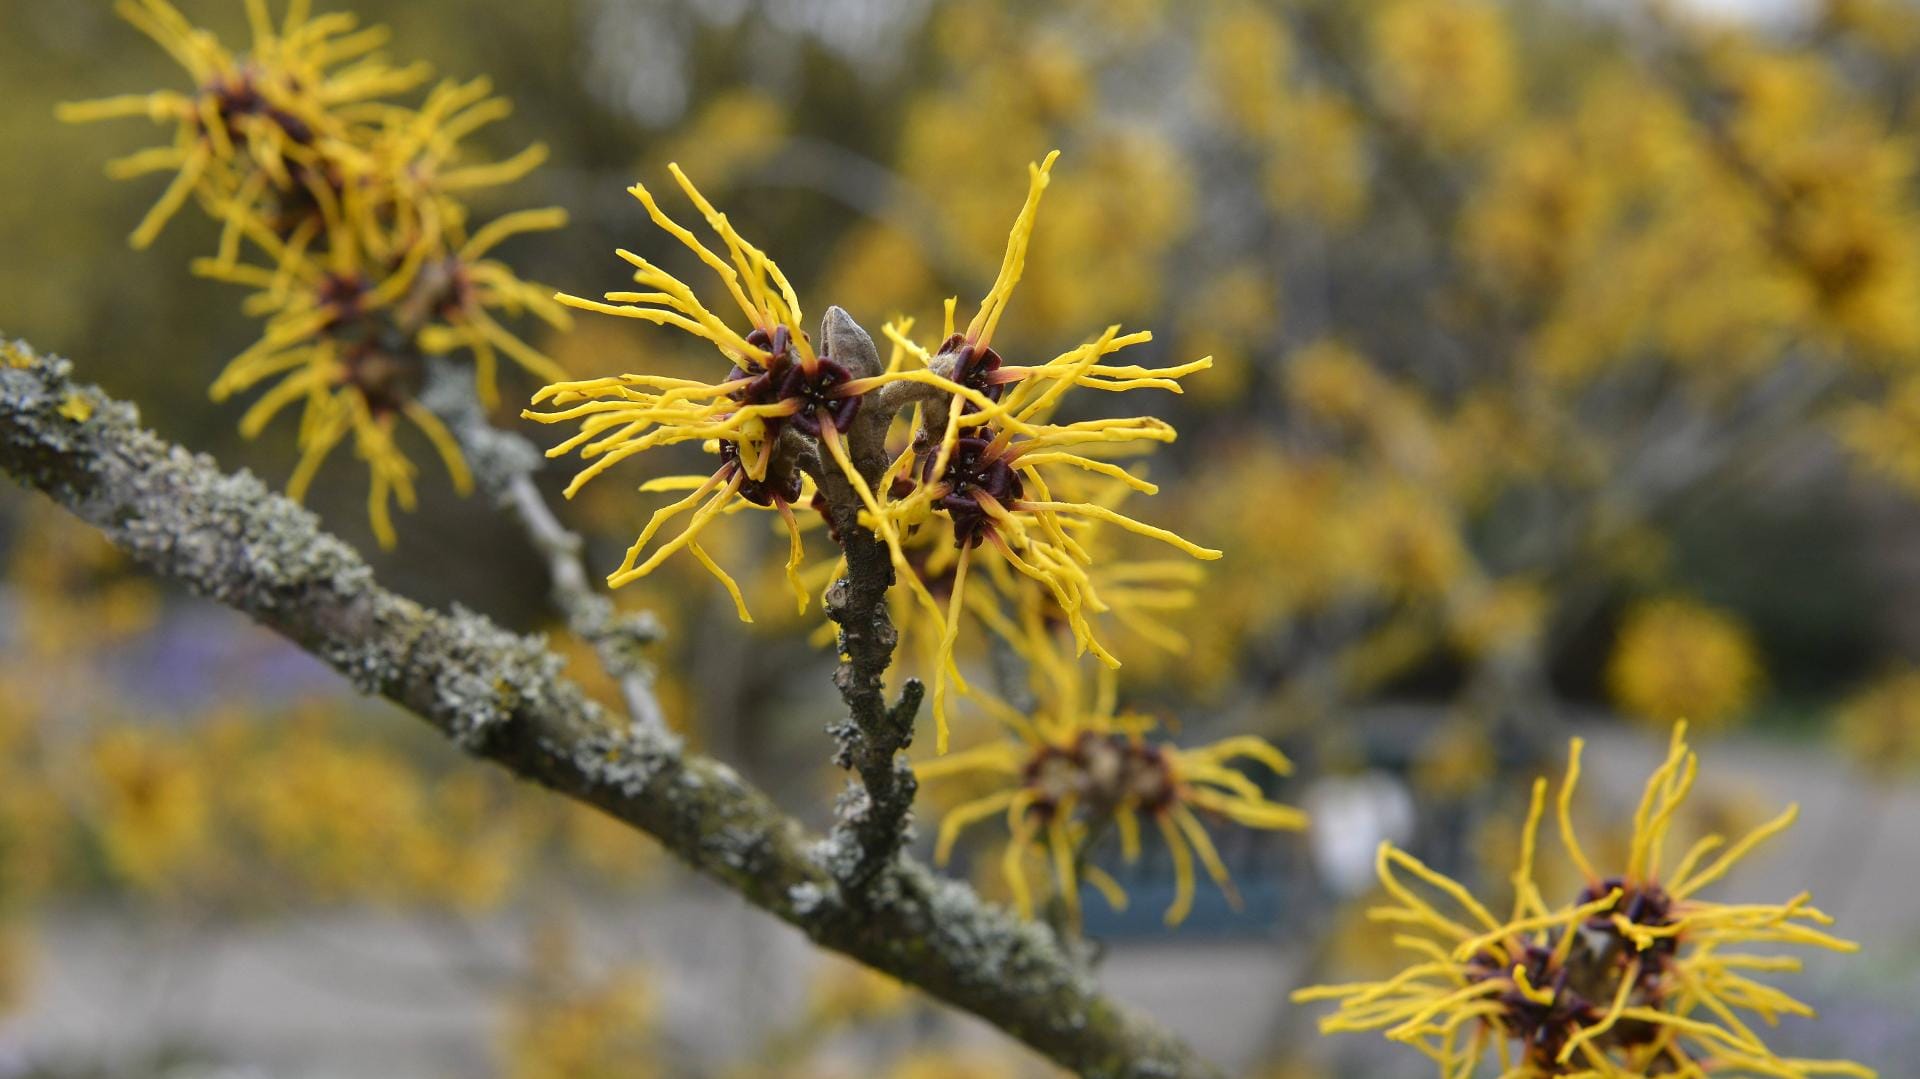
1350 817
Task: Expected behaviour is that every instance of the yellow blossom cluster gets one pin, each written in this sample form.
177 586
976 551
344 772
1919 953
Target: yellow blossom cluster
1013 82
241 812
1880 723
981 463
1445 67
1637 976
568 1023
345 214
1679 658
1555 261
1079 767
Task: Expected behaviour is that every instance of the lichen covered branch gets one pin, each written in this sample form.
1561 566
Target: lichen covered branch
501 696
504 463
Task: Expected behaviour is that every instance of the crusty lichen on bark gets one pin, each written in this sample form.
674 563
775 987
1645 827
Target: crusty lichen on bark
502 696
504 463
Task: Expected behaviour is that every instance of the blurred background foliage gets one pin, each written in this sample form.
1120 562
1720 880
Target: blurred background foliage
1567 371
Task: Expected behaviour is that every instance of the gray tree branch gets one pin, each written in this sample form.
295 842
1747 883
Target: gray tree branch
875 817
504 463
502 697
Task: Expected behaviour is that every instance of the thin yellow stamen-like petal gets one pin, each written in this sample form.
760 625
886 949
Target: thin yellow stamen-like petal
987 319
1182 872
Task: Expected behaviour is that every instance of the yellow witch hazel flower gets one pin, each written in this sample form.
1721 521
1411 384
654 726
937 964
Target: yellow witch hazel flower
419 166
778 384
1637 977
985 455
369 262
323 345
254 122
1138 594
1081 765
989 462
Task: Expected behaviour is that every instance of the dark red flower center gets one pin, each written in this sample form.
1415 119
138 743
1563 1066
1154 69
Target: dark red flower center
241 96
973 367
763 492
386 380
1104 770
1542 1028
970 474
814 392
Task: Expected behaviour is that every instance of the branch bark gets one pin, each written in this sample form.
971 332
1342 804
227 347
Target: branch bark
875 817
504 463
501 697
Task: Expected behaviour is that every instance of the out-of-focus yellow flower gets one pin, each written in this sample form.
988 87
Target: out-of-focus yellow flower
1317 160
1490 442
339 819
1885 434
600 1031
1837 186
1103 253
36 823
1889 27
1304 571
877 267
1334 383
329 813
1675 658
1540 213
1634 550
950 150
845 993
1232 319
369 262
605 845
1386 652
1079 766
72 588
467 851
1457 760
155 810
955 1064
570 1025
1408 543
734 133
36 833
1880 724
1245 55
1445 65
1633 978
